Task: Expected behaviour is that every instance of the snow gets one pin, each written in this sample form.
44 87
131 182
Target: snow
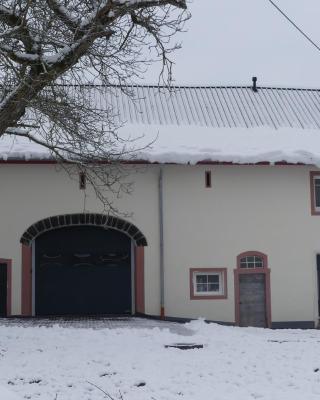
192 144
235 363
184 145
5 394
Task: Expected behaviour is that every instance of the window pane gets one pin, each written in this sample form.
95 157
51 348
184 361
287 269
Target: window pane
202 278
243 263
317 195
250 259
202 287
213 278
250 265
213 287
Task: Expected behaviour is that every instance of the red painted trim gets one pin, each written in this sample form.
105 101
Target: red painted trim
285 163
265 270
8 263
145 162
312 192
139 280
26 288
28 162
194 296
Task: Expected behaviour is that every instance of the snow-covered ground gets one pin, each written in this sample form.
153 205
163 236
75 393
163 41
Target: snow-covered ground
61 363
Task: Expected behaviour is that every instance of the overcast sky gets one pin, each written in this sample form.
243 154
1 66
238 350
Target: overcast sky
229 41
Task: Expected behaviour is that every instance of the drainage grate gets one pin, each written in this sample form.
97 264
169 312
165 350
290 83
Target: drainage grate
184 346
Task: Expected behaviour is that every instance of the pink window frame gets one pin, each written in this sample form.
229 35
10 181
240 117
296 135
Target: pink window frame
264 270
194 296
8 263
314 211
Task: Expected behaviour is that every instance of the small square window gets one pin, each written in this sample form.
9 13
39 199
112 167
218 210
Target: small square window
208 283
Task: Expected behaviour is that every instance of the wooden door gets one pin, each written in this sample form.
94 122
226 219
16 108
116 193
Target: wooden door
252 298
3 290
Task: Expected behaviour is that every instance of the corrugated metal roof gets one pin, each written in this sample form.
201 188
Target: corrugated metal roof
209 106
186 125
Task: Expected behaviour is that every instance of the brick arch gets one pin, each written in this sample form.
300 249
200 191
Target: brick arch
99 220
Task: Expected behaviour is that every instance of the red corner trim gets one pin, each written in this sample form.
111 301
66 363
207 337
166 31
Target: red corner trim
139 280
26 289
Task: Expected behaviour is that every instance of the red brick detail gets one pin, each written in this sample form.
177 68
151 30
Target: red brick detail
265 270
8 263
194 296
139 280
26 289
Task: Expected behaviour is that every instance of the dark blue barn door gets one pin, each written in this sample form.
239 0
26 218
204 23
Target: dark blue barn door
82 270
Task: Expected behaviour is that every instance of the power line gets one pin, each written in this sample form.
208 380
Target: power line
295 25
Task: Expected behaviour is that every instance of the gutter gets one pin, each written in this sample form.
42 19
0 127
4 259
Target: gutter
162 309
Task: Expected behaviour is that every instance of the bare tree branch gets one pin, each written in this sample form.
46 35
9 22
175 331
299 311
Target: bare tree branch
49 49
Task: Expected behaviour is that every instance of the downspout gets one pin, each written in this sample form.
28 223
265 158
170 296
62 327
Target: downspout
162 310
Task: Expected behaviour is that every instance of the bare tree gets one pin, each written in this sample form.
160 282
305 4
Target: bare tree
50 49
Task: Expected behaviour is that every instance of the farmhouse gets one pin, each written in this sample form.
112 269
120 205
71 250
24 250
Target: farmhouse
223 221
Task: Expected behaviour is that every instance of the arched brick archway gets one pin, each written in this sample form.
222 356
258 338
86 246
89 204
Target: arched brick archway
99 220
103 221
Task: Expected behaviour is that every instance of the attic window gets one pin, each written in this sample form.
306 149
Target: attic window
208 179
82 181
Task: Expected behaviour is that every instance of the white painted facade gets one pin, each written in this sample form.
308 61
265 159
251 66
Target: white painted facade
261 208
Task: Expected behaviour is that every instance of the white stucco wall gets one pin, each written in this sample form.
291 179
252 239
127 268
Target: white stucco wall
261 208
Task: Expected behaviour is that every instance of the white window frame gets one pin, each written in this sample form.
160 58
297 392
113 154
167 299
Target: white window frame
221 290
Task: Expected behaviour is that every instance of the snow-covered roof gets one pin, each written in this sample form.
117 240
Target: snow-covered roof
216 124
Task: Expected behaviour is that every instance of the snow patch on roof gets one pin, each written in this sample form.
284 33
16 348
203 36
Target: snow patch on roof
237 145
193 144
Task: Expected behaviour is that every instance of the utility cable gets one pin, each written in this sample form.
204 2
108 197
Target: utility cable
295 25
